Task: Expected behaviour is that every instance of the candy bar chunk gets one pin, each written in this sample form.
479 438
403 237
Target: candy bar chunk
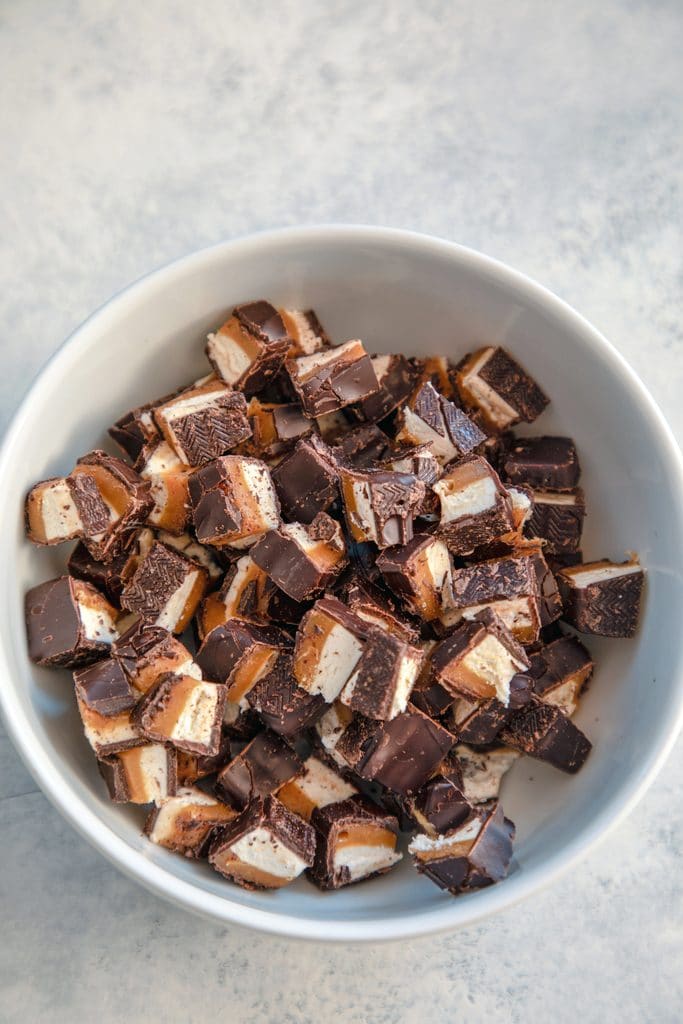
384 676
376 608
307 335
302 560
508 586
432 420
52 515
331 379
109 577
165 588
562 670
233 502
380 506
306 480
544 463
104 687
111 498
602 597
361 447
329 730
204 422
317 787
493 383
238 654
419 572
401 754
479 659
266 847
277 427
355 840
109 734
475 854
261 768
282 705
168 476
557 519
68 623
141 775
249 349
183 711
187 821
329 644
145 652
544 731
396 377
242 595
475 507
482 771
440 805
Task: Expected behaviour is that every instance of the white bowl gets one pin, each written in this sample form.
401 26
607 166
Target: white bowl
397 291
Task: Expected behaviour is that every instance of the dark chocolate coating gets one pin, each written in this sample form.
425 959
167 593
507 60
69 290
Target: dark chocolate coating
395 498
546 463
264 765
289 567
109 576
469 532
558 661
210 432
337 384
330 823
442 803
607 608
105 688
53 626
131 434
496 579
376 676
395 388
306 481
225 646
487 861
559 526
283 706
116 534
158 575
546 733
143 642
549 600
514 385
153 704
447 419
362 447
401 754
261 319
431 698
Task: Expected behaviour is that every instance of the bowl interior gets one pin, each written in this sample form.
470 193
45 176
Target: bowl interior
396 292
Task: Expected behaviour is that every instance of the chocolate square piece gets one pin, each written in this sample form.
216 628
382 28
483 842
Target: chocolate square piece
233 502
333 378
302 560
204 422
105 688
168 476
546 733
276 427
432 420
356 840
306 481
249 349
440 805
187 821
110 734
560 671
266 847
493 383
508 586
145 652
557 519
111 499
238 654
318 786
141 775
544 463
602 597
329 643
165 588
380 506
384 676
282 704
68 623
183 711
479 659
265 764
419 572
396 377
475 507
475 854
307 335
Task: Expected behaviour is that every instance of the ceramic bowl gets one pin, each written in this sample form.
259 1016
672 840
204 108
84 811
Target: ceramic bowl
398 292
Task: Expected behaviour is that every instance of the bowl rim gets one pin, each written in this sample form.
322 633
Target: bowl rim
155 878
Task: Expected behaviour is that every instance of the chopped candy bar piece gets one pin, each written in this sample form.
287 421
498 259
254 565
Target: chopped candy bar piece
168 476
204 422
233 502
508 586
440 805
282 704
183 711
432 420
250 348
305 331
141 775
372 605
355 840
109 734
145 652
306 481
329 380
165 588
52 515
111 499
420 573
546 733
560 672
396 377
380 506
276 427
302 560
483 770
265 764
479 659
318 786
475 507
602 597
104 687
329 644
361 447
266 847
557 519
544 463
68 623
492 382
473 855
384 676
238 654
109 577
187 821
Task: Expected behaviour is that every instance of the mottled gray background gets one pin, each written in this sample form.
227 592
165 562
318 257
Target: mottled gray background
545 134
